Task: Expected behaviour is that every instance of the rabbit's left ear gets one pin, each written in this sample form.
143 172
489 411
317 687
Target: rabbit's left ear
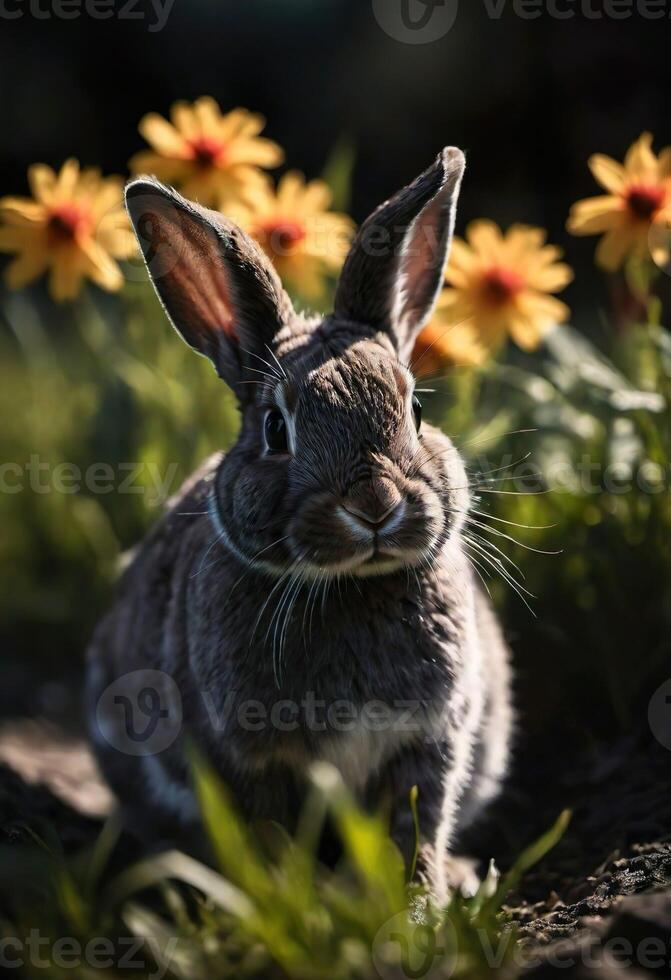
219 290
394 270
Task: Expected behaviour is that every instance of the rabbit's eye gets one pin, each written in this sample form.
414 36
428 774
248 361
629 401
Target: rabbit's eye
417 411
275 432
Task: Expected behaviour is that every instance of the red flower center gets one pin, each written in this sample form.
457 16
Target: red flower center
643 200
207 151
65 221
283 236
499 285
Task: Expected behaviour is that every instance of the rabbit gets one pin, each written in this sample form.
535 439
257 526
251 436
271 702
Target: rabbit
307 597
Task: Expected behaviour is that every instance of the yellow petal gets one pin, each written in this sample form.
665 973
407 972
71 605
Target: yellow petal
317 196
458 277
551 278
42 181
15 238
100 266
22 211
454 306
108 201
184 120
208 116
114 234
613 248
438 348
595 215
241 123
26 267
521 239
329 236
249 185
485 238
289 191
541 312
640 161
165 168
162 136
609 173
462 258
67 180
261 152
209 187
527 330
65 277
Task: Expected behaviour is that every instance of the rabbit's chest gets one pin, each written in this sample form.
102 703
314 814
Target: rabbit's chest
350 683
342 699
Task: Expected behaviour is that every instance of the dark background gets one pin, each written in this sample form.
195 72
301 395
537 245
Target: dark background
529 100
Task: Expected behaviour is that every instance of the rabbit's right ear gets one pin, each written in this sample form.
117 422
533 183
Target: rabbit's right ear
219 290
393 273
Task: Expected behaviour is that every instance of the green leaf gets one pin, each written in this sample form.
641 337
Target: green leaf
338 173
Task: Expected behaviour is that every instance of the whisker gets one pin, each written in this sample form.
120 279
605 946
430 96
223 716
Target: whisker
216 540
500 520
514 493
515 587
274 374
274 357
254 558
490 544
509 537
498 565
298 584
508 466
277 584
275 619
264 374
476 440
476 569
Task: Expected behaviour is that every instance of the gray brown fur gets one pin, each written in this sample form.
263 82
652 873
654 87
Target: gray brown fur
409 627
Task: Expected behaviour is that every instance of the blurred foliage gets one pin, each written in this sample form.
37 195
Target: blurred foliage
116 411
587 440
266 909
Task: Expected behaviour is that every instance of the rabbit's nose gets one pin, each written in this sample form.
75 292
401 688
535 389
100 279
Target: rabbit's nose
373 501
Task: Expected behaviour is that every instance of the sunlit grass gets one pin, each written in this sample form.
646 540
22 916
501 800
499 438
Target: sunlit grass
270 909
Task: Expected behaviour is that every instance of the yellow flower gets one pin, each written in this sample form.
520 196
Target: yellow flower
74 226
635 213
210 157
296 230
498 286
443 343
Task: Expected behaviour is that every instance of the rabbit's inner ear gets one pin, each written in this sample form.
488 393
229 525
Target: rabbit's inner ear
195 282
424 256
183 256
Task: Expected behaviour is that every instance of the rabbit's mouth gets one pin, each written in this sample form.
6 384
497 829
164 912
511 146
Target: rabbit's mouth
346 535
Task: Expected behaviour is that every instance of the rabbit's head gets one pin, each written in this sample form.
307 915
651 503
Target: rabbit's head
333 470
